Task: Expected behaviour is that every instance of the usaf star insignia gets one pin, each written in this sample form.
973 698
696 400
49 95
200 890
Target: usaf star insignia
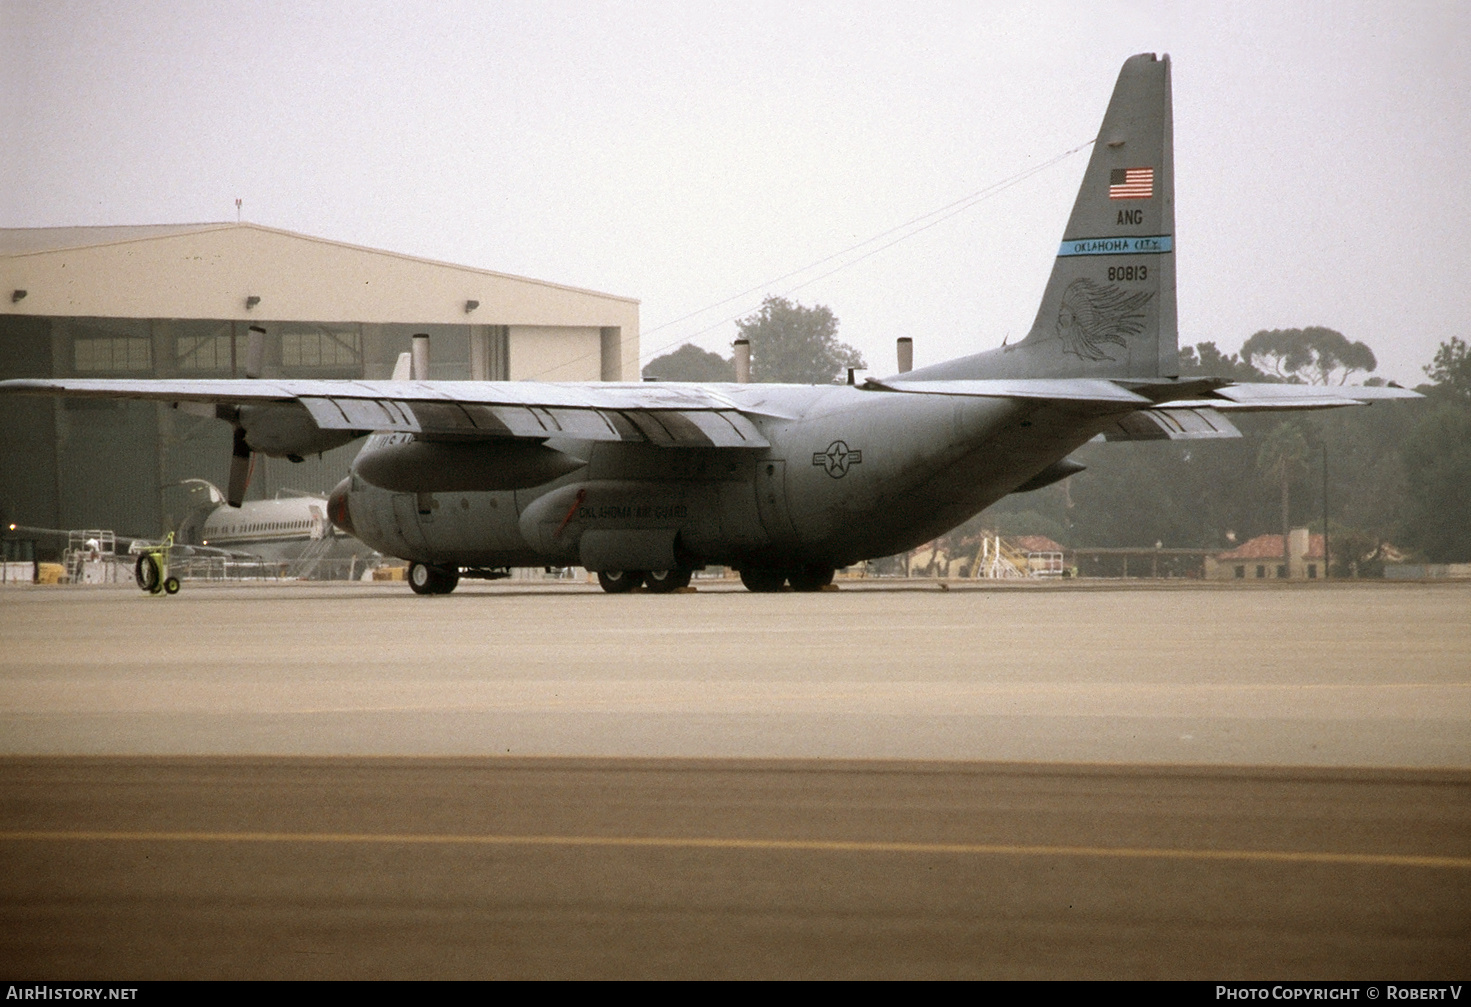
836 459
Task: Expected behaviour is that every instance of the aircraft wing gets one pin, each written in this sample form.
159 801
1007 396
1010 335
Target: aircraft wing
132 544
669 415
680 414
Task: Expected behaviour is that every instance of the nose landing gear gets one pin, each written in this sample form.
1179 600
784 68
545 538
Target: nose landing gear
426 579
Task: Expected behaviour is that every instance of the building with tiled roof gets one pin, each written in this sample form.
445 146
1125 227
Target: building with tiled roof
1261 559
1034 543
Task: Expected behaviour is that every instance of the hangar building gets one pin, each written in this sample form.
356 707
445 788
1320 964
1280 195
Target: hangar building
178 300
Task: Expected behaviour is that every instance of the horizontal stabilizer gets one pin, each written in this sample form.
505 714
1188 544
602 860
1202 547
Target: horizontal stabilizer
1050 389
1265 396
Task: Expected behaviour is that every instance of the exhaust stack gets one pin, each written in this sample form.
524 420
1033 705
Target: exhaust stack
743 361
255 352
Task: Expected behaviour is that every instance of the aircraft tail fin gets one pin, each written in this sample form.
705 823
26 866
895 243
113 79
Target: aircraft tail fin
1109 307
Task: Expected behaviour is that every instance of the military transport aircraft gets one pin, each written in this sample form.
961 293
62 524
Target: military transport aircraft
645 482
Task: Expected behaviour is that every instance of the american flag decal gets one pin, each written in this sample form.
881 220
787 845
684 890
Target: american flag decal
1131 183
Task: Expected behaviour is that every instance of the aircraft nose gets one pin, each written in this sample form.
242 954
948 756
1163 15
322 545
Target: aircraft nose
337 507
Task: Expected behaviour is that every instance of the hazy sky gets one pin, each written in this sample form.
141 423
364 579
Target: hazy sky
682 153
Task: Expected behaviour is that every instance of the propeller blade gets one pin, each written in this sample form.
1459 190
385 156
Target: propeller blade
242 462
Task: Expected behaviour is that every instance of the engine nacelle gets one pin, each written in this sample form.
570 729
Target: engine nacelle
337 507
288 431
469 467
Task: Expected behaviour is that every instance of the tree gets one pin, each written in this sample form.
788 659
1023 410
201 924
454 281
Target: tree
1206 360
797 344
1283 455
690 363
1356 553
1438 470
1437 457
1310 355
1451 368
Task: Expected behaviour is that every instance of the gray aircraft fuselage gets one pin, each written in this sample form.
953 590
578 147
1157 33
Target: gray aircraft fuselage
850 474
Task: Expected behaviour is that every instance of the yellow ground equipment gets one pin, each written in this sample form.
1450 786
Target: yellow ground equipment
152 570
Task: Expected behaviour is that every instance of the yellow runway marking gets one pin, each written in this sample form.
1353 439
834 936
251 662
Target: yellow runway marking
793 845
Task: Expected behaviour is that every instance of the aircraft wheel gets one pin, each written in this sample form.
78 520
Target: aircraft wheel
171 586
763 579
426 579
811 578
620 581
664 581
146 572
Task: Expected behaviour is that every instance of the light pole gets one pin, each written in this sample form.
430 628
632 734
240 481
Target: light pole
1326 563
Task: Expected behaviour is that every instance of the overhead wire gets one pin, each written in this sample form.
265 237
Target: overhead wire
909 229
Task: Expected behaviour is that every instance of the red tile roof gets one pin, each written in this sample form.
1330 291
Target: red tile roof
1035 543
1270 547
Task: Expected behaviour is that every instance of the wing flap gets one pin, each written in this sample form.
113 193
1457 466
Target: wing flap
727 428
586 424
1172 424
360 414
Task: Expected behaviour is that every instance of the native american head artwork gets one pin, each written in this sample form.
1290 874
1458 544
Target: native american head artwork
1093 315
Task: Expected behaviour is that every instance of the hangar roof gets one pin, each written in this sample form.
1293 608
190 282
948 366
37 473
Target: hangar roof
25 240
208 270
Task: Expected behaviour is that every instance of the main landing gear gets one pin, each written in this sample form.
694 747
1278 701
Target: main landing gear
764 580
664 581
426 579
653 581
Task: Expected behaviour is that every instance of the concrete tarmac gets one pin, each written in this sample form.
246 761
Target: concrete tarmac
1350 675
889 780
524 868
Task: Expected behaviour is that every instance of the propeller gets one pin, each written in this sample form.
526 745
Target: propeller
269 426
242 462
242 459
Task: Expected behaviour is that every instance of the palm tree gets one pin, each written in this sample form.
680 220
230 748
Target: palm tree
1284 455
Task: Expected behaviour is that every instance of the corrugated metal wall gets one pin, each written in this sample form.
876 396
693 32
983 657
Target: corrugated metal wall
81 463
27 427
108 471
